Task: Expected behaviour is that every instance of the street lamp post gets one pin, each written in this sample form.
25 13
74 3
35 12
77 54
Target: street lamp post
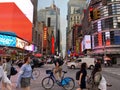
104 47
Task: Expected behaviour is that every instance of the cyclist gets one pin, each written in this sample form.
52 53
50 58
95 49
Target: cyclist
58 68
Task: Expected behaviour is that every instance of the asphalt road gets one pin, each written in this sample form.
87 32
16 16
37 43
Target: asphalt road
112 76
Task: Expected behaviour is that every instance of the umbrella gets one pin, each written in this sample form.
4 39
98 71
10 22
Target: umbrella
38 55
107 58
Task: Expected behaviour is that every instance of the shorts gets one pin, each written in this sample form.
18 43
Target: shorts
58 69
25 82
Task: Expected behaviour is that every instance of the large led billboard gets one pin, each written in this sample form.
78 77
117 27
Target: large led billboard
87 40
6 40
99 39
16 16
24 5
86 43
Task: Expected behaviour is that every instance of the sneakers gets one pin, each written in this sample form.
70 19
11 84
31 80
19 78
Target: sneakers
109 85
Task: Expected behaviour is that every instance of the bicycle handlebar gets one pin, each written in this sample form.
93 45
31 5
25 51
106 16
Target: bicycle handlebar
64 71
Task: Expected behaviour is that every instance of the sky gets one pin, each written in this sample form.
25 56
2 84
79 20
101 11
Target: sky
62 4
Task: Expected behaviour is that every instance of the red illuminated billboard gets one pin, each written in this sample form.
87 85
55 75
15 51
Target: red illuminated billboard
100 39
45 36
53 46
12 19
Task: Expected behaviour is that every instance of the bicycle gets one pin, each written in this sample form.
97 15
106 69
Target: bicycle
36 73
67 83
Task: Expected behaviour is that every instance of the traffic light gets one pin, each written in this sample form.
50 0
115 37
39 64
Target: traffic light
96 14
91 13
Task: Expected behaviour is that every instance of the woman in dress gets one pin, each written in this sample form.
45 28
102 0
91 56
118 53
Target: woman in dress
82 78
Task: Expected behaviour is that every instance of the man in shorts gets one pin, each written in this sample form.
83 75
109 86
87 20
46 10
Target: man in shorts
58 69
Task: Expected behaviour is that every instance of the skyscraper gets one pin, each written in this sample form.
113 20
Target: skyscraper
75 10
51 17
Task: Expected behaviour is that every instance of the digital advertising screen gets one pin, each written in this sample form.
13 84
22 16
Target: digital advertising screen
87 40
17 16
29 47
6 40
21 43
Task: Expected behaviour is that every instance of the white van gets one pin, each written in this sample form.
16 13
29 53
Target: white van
77 63
90 61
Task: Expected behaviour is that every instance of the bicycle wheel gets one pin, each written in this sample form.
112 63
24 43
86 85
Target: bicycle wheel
47 83
68 83
36 73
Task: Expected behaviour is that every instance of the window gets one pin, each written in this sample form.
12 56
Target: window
117 37
99 26
112 37
96 40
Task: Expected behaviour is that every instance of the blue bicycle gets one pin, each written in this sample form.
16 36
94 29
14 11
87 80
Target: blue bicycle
67 83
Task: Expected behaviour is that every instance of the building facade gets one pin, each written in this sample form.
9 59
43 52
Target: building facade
104 28
35 30
51 17
75 10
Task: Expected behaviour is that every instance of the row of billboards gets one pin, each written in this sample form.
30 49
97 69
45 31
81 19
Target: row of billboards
101 39
13 41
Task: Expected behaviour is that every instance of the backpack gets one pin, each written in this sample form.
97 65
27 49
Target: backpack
78 75
90 83
13 71
97 78
61 62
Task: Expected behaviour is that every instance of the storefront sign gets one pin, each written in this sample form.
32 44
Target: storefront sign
21 43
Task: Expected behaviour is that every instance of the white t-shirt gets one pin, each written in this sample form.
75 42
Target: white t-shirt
103 84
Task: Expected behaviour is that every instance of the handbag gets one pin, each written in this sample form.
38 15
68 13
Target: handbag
89 83
78 75
13 71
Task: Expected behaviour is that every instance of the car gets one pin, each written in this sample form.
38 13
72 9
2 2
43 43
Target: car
77 63
38 62
74 64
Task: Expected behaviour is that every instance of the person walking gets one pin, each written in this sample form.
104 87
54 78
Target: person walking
6 83
25 75
82 77
99 81
7 66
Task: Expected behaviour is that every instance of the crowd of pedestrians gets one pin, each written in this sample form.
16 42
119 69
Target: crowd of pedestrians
96 80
